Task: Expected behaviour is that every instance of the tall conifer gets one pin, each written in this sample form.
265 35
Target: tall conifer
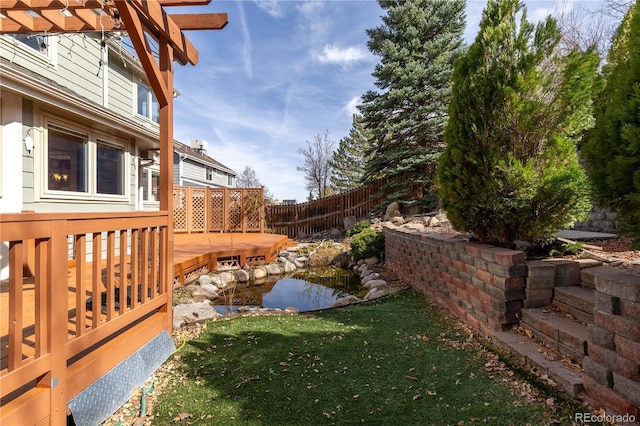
510 170
418 43
612 148
348 160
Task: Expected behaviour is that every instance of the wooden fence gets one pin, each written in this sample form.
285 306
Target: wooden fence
55 341
321 215
197 209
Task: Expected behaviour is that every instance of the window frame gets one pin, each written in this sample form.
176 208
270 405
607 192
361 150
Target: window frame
93 139
147 175
52 47
153 117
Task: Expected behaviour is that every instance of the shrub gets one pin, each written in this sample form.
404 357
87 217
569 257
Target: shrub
510 170
367 243
358 228
612 148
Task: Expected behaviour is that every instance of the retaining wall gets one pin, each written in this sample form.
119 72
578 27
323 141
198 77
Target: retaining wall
486 287
481 284
611 375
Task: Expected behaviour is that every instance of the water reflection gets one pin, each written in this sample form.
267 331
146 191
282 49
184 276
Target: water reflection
328 285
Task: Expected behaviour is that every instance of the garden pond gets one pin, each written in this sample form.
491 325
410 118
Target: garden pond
306 290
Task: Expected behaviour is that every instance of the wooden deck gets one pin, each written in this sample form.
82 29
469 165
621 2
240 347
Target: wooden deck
193 254
199 253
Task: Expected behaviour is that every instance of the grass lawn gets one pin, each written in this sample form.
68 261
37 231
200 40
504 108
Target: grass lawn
397 361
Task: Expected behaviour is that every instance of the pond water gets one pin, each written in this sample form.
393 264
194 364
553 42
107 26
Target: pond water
307 290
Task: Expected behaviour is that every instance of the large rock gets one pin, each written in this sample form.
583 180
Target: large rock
227 278
289 267
205 279
273 269
260 273
190 312
373 276
344 301
375 283
204 291
375 293
242 276
397 220
393 210
370 261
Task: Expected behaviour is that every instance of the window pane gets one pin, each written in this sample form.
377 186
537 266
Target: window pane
143 100
110 167
66 161
145 185
36 42
155 109
155 185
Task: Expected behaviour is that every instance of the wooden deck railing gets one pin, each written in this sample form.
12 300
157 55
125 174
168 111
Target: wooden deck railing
323 214
218 209
55 342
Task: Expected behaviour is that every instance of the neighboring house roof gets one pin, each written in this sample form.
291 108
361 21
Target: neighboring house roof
200 157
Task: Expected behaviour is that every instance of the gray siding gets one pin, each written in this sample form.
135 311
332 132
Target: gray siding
79 66
121 89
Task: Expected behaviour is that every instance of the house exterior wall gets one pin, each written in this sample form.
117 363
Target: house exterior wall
188 172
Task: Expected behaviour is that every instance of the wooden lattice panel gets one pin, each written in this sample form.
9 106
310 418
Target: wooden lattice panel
216 210
180 210
198 209
235 210
253 207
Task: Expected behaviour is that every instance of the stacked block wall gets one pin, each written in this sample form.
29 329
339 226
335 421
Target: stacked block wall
486 287
481 284
612 368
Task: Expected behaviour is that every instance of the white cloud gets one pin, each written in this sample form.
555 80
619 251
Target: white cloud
247 45
352 104
272 7
332 54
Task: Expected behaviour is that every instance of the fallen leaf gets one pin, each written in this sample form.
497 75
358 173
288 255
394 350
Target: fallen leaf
180 417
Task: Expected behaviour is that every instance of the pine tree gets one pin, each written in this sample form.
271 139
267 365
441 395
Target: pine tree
349 159
510 170
612 148
417 44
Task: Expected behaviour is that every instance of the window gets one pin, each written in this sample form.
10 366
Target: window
229 180
67 160
110 168
78 163
148 105
39 43
150 185
209 173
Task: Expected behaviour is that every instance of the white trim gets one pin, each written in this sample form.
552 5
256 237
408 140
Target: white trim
15 45
93 139
11 152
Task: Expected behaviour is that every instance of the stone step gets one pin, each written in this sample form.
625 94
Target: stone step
535 356
561 334
576 301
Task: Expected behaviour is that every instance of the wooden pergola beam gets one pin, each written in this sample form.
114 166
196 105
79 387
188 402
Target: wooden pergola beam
132 21
166 27
201 21
184 2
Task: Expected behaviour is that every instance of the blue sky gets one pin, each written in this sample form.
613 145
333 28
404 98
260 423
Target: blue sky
278 74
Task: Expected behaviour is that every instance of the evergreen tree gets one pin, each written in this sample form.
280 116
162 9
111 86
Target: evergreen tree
417 44
510 170
612 148
349 159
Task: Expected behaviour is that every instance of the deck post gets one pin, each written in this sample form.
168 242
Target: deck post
56 378
166 167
